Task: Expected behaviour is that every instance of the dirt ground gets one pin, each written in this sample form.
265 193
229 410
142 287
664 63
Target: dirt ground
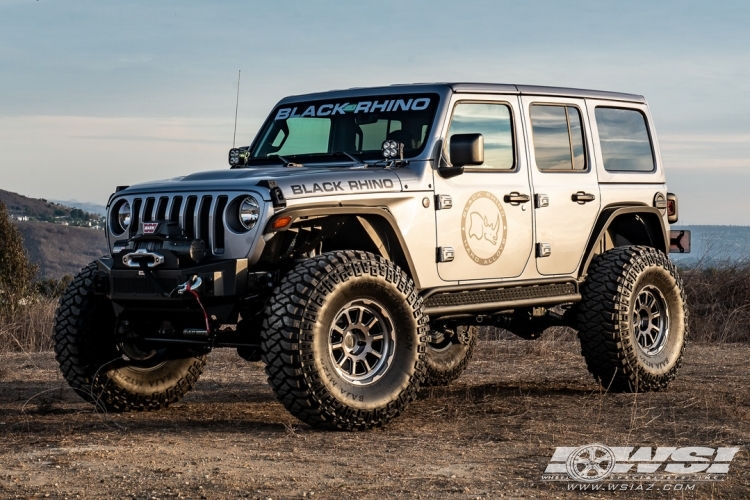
488 435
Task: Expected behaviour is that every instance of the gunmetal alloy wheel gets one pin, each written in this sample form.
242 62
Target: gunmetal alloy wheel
344 340
633 319
650 321
361 341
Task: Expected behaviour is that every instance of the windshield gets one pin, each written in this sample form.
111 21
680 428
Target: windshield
357 126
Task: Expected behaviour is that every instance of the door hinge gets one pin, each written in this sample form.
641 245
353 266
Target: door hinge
543 249
542 200
445 254
443 202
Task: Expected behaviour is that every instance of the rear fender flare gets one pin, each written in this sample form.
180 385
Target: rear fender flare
649 220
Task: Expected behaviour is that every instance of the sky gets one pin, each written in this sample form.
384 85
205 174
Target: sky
96 94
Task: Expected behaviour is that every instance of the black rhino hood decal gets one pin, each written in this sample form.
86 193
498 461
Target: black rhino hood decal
294 182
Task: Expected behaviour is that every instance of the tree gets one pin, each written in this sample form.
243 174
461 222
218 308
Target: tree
16 271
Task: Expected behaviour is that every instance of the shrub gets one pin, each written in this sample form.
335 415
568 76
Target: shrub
719 301
16 271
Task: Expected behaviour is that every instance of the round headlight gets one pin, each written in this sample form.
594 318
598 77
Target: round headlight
123 216
249 212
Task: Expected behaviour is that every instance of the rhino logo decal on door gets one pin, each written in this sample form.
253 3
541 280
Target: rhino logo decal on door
480 228
484 228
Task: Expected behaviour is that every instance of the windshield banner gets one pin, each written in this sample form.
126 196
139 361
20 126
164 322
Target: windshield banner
330 109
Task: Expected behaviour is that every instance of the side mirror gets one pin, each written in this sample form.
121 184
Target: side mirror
467 149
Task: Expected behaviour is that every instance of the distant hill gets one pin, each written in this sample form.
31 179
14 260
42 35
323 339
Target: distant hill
48 210
58 249
92 208
19 204
61 250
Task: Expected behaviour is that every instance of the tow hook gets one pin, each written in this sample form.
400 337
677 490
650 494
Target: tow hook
190 287
192 284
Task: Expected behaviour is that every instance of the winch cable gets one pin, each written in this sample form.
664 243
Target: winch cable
189 289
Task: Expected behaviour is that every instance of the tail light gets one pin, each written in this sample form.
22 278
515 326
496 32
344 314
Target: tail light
672 209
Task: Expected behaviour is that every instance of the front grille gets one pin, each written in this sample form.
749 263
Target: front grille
199 216
204 219
139 285
219 224
161 211
174 214
189 224
148 212
136 218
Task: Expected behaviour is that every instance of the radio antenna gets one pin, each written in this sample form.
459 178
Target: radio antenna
236 107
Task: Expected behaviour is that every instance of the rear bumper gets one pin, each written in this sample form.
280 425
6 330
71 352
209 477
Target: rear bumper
224 278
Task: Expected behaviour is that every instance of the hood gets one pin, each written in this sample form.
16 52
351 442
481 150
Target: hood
296 182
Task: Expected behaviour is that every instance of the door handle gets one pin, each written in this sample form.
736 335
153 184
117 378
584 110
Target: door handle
515 198
583 197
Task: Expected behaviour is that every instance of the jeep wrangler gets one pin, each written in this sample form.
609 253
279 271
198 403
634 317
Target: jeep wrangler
359 242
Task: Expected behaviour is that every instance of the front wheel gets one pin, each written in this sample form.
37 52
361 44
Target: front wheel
632 320
115 377
344 340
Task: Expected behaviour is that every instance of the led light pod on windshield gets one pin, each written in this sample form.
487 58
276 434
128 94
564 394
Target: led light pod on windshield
393 149
249 212
238 157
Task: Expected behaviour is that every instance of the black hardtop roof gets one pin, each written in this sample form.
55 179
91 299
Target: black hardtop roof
467 88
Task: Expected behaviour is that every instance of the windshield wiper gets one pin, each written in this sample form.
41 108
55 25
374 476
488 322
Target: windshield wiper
356 160
287 163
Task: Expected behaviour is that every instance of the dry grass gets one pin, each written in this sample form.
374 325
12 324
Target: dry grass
30 329
719 299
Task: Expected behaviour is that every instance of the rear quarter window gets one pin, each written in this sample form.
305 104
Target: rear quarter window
624 140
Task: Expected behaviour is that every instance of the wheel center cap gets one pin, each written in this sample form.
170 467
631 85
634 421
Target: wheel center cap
644 319
354 340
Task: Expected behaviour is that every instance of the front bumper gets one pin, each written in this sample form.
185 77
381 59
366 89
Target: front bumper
221 279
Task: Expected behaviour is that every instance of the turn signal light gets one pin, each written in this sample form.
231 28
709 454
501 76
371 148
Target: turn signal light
282 222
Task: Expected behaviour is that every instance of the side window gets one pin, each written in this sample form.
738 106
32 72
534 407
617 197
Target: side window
624 139
558 138
494 123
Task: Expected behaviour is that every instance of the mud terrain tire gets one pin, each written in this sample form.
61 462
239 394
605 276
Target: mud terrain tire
632 321
446 361
330 322
90 361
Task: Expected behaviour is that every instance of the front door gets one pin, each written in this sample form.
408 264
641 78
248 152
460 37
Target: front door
566 188
484 216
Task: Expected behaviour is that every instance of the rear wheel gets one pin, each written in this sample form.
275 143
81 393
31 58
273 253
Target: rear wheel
344 340
632 320
115 376
448 353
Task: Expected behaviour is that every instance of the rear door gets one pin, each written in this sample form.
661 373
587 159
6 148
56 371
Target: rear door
566 189
481 215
